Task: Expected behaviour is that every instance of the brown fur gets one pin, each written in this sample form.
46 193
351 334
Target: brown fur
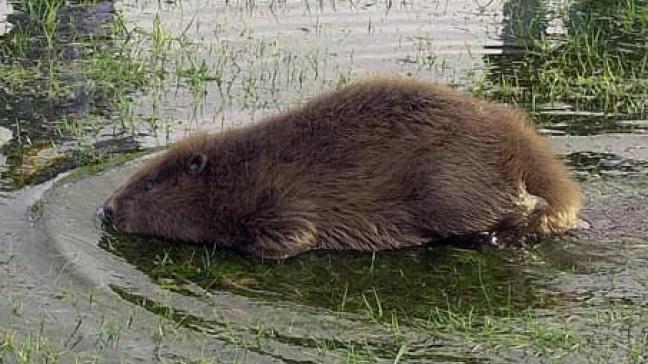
379 164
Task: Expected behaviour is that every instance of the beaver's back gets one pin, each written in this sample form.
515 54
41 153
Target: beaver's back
370 120
409 151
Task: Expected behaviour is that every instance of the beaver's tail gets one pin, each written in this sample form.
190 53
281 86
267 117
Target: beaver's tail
545 176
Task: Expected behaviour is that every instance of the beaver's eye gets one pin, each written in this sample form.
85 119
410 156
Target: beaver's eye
148 184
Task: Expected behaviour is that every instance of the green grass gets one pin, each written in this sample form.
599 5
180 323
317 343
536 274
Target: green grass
26 349
599 63
38 84
613 330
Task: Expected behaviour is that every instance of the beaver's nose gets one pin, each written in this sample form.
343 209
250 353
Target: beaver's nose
105 213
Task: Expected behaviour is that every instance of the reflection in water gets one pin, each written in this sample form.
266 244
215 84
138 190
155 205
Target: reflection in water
524 22
405 283
569 122
606 165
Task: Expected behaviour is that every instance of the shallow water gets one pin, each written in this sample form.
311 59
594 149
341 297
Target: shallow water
71 289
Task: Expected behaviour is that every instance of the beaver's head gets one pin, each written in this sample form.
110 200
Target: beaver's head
168 197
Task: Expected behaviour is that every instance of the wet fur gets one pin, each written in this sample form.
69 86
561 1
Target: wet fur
380 164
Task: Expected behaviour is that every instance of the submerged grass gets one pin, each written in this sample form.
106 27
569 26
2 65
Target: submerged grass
445 293
464 301
406 282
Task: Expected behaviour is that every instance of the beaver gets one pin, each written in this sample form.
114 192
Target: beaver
382 163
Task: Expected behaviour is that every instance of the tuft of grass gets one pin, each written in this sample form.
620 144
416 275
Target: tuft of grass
599 62
27 349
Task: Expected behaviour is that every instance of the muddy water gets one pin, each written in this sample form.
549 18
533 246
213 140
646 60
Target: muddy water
71 289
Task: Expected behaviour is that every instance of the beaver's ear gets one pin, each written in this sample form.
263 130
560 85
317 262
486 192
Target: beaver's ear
196 163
